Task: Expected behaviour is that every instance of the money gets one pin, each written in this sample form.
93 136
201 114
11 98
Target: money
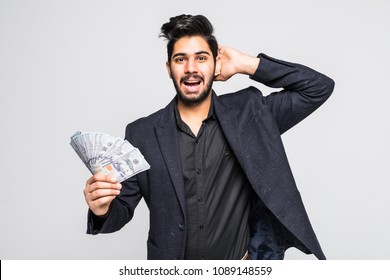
102 153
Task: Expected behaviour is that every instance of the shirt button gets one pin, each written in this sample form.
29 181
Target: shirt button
201 227
200 199
181 227
198 171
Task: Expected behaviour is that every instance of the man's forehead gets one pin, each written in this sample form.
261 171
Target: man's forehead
191 45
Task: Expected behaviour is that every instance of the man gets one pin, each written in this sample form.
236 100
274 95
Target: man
220 185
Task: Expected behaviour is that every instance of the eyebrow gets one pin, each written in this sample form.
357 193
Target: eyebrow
184 54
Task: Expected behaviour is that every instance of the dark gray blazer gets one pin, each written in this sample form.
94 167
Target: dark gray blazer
252 124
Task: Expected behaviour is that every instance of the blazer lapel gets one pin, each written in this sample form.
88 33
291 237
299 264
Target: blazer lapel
230 127
169 145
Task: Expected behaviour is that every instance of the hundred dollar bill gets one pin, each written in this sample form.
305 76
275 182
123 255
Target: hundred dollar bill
102 153
123 167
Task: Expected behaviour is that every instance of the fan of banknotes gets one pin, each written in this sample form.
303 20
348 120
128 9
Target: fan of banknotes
102 153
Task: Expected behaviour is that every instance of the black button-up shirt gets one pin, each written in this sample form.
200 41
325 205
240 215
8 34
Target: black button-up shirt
217 193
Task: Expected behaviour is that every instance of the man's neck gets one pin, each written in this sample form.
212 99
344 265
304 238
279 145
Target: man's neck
193 115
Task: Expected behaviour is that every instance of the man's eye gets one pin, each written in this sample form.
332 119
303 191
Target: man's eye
180 59
202 58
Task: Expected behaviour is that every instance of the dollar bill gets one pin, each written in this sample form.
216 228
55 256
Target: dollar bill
102 153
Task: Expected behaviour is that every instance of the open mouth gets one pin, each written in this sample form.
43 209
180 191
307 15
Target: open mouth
192 80
192 83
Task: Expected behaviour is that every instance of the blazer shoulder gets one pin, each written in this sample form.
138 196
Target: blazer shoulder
242 98
143 124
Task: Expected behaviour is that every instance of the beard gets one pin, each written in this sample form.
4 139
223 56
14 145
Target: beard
193 99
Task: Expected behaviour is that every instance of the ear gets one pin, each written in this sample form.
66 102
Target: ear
168 69
218 66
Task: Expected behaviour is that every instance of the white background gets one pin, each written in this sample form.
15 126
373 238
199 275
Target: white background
97 65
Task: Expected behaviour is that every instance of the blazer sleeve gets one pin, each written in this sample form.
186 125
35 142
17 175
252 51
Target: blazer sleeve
304 90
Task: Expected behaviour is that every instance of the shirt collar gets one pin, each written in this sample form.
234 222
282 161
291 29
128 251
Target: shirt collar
210 115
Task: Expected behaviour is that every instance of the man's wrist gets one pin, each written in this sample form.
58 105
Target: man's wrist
250 65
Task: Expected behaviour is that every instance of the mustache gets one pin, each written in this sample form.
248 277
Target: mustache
193 76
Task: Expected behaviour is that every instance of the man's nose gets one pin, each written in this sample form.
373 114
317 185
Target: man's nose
191 66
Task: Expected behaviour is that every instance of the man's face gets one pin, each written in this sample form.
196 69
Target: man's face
192 69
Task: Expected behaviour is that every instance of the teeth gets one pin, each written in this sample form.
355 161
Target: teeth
192 83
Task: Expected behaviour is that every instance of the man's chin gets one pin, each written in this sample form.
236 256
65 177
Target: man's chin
192 99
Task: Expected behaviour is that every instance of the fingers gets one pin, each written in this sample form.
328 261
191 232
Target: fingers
221 47
100 185
100 177
99 191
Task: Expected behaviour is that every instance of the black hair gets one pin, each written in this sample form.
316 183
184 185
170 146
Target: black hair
188 25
